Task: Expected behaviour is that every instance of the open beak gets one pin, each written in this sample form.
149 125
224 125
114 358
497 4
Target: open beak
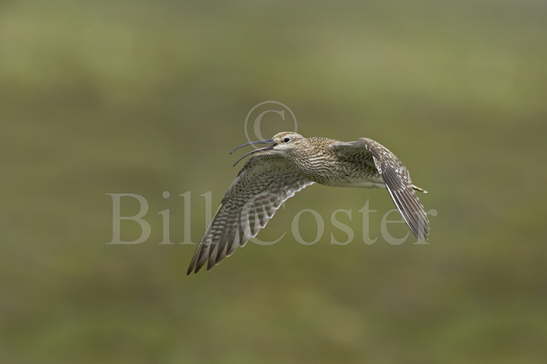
266 141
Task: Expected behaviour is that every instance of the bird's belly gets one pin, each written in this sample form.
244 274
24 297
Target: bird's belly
365 184
361 184
352 181
343 174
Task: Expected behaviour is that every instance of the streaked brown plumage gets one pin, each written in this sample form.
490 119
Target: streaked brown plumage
289 164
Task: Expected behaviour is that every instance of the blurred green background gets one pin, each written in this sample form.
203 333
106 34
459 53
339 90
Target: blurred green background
145 97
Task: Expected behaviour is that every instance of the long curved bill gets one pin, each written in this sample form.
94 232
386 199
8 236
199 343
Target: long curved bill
266 141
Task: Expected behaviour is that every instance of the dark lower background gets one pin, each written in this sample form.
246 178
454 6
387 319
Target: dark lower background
145 97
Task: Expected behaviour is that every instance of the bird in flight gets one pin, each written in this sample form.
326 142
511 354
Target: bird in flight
289 163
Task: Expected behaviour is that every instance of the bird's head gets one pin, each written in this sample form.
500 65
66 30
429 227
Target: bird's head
282 143
287 141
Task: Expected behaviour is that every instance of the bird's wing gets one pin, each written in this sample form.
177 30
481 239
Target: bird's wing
396 178
261 187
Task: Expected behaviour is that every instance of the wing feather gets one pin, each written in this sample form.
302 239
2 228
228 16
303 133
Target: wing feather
260 188
396 178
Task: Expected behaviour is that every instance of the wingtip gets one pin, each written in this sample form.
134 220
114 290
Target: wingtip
422 238
423 234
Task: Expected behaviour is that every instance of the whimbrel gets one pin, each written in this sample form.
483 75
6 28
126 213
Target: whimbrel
289 163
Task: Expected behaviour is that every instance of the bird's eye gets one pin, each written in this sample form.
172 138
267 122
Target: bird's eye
286 140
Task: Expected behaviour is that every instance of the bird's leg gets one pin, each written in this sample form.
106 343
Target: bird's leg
419 189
